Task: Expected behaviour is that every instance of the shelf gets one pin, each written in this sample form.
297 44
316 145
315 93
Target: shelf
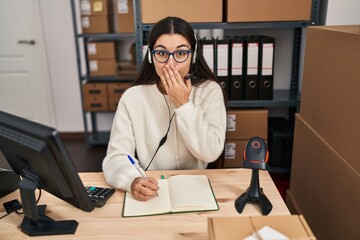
282 98
243 25
106 36
97 139
123 78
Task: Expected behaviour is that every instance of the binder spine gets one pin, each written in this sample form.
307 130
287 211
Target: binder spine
266 73
252 69
208 50
236 73
222 63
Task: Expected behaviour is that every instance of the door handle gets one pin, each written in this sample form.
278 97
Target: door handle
30 42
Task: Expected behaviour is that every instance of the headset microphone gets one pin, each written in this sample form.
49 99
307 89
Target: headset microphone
189 75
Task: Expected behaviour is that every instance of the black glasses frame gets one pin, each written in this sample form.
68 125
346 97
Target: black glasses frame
153 52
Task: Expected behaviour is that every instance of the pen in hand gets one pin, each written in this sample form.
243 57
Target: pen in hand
136 165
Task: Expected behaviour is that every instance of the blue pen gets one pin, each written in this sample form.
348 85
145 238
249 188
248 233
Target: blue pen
137 167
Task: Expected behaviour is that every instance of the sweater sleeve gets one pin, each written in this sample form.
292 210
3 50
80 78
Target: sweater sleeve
202 125
117 169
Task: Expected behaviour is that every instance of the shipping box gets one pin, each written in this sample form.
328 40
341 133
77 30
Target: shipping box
124 16
102 67
331 88
95 97
153 11
95 7
233 157
246 123
95 24
324 185
267 10
101 50
235 228
114 93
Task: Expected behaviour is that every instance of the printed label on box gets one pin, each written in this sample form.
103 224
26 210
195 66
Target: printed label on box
123 6
93 66
230 150
98 6
85 7
92 48
231 123
85 22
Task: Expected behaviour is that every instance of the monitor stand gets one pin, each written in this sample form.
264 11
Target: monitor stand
35 222
254 194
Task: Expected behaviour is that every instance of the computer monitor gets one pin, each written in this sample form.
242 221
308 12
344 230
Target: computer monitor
37 153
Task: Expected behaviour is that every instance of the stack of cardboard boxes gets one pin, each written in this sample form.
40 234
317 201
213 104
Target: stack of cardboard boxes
242 125
99 97
325 174
102 59
105 16
96 16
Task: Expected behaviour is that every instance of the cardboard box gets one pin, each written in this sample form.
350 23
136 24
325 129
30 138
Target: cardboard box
101 50
153 11
246 123
94 90
95 24
324 185
103 67
95 97
124 16
114 92
233 157
331 88
228 228
95 104
267 10
95 7
292 204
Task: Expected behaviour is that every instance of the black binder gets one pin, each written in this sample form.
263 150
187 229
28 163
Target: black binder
222 63
237 64
251 91
266 73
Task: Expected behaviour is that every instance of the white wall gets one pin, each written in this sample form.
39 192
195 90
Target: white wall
343 12
60 43
61 53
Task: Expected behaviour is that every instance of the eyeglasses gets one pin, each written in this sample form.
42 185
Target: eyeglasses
162 56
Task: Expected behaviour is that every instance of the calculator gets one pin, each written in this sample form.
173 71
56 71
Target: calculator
99 195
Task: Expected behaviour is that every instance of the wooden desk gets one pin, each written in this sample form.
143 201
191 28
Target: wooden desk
107 223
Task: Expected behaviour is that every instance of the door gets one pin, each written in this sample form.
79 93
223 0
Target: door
25 88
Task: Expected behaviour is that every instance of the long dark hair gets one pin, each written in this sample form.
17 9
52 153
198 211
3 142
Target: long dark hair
175 25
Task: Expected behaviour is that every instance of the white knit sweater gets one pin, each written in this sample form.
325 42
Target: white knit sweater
196 136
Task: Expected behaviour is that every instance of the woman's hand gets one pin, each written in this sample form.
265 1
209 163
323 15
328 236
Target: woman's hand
143 189
175 86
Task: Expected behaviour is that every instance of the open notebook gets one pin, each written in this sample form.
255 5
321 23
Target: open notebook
180 193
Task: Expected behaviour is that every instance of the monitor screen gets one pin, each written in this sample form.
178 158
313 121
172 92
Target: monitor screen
37 153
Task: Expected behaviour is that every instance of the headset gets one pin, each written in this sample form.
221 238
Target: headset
193 58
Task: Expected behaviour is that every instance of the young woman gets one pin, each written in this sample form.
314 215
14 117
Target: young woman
173 117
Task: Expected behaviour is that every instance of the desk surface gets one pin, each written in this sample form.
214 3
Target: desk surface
107 223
